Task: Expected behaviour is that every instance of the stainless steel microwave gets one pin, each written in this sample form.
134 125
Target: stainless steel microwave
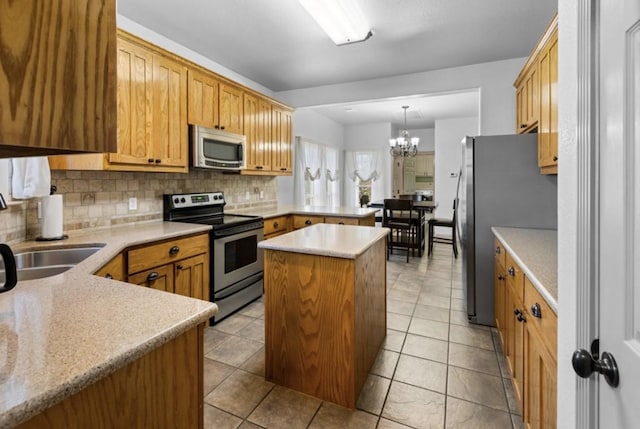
217 149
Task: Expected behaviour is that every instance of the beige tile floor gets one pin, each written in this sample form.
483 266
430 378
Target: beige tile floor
435 370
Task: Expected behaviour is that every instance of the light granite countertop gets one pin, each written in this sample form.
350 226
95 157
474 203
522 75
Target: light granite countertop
65 332
339 241
536 252
283 210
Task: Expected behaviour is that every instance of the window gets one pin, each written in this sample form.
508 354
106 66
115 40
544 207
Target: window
363 171
317 174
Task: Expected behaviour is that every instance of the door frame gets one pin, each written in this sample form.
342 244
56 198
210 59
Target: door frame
578 195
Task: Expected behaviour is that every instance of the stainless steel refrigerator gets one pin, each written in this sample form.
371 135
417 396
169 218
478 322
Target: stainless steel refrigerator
499 185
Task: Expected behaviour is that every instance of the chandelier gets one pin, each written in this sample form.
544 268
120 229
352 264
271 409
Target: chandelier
404 145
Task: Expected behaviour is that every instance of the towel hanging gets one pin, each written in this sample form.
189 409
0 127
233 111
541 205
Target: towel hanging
31 177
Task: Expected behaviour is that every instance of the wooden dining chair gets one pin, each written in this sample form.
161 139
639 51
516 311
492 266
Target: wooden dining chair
399 218
449 223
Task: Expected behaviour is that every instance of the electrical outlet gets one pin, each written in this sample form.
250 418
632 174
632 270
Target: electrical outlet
247 196
262 195
133 203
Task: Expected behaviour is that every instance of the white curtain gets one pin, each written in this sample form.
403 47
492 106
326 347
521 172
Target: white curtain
361 166
317 174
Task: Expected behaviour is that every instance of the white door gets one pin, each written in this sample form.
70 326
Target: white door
619 272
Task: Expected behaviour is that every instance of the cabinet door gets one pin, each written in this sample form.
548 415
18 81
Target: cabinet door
514 348
281 140
114 269
170 139
231 117
540 396
548 128
500 297
192 277
532 96
135 89
58 77
257 130
160 278
203 99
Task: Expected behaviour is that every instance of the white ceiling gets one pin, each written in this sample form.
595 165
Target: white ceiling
278 45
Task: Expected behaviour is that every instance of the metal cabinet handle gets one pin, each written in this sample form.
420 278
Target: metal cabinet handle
222 127
152 276
158 161
174 250
150 160
536 311
497 250
520 317
340 223
108 276
217 127
523 125
179 266
283 168
555 158
308 222
512 271
276 224
501 277
517 311
259 167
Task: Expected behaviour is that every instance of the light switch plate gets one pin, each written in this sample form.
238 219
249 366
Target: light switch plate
133 203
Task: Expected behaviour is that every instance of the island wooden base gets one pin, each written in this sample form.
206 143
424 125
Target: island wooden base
162 389
325 320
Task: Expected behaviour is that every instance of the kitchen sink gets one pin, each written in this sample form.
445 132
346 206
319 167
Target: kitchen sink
48 258
38 272
38 264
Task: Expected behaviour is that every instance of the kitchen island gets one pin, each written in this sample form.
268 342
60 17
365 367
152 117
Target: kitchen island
80 350
325 308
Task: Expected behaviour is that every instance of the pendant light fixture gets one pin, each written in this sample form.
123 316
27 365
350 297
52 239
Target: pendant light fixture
404 145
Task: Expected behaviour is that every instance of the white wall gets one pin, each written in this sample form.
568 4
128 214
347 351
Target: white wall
427 139
312 125
4 178
494 81
448 157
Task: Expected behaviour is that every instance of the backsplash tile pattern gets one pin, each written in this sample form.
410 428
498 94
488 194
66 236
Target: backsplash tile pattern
95 199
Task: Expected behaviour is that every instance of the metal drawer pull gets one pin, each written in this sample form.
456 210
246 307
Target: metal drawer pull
108 276
497 250
152 276
512 271
536 311
179 266
308 222
520 317
517 311
340 223
174 250
276 224
501 277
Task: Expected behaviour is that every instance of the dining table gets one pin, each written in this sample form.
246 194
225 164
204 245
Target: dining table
423 208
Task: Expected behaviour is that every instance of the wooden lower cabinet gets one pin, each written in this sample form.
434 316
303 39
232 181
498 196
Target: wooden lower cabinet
276 226
114 269
528 331
178 266
161 389
302 221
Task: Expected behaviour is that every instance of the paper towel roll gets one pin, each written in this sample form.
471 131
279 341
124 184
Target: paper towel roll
52 216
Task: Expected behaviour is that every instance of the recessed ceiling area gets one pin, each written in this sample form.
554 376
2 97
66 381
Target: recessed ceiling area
422 112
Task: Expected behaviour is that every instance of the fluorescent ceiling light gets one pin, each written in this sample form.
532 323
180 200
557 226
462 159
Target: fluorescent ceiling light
342 20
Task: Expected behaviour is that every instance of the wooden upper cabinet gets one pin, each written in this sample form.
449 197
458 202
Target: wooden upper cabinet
213 103
58 77
282 140
152 115
527 99
257 130
135 92
170 131
548 129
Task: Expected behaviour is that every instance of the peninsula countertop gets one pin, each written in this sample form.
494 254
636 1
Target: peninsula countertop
283 210
536 252
339 241
65 332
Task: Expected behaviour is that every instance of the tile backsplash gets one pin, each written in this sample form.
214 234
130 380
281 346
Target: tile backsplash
96 199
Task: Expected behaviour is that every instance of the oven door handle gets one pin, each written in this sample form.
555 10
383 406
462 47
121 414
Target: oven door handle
232 237
228 291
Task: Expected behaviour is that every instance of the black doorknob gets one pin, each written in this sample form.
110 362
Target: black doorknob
585 364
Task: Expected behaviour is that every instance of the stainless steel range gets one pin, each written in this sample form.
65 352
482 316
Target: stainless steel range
236 263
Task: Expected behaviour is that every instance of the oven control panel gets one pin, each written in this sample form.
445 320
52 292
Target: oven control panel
179 201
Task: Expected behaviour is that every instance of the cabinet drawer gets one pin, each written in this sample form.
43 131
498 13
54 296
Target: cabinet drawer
303 221
547 322
114 269
166 252
500 252
276 224
515 277
342 220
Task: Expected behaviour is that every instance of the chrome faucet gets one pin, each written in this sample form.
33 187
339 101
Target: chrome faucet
3 203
